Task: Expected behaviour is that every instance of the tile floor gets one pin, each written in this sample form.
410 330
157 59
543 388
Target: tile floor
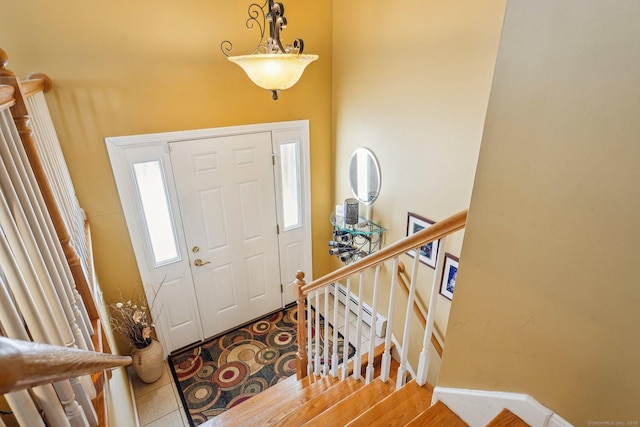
159 404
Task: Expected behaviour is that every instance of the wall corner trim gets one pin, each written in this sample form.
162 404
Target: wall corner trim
479 407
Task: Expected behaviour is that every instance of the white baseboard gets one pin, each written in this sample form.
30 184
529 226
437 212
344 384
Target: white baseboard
478 407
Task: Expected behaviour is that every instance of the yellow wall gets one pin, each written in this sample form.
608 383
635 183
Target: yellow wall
547 294
411 83
123 68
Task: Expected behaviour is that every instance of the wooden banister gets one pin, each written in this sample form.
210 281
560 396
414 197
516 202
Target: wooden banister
25 364
436 231
32 86
301 355
416 309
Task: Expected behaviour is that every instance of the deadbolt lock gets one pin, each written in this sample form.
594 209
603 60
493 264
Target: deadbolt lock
195 249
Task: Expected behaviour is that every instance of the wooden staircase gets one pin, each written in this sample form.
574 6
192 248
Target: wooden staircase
327 401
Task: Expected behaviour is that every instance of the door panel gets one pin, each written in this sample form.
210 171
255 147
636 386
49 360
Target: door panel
227 200
213 214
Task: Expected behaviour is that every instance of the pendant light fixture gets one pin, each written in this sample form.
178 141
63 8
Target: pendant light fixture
272 66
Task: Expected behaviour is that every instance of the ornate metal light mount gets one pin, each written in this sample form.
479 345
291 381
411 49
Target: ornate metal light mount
272 65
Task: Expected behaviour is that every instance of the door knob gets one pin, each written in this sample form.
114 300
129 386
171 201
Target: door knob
198 262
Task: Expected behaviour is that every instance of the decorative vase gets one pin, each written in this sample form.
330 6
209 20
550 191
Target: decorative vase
148 362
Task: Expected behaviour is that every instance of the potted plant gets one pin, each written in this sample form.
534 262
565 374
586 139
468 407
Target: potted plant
132 321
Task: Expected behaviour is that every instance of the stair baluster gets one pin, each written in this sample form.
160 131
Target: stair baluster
372 331
423 361
302 357
325 355
20 402
334 355
358 344
316 360
309 335
386 356
407 321
347 315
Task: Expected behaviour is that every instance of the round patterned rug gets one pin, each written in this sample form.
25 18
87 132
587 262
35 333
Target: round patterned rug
227 370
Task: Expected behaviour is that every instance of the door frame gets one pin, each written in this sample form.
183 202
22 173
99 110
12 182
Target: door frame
156 146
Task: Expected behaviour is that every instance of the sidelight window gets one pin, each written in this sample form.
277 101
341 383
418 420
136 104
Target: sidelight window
291 195
153 195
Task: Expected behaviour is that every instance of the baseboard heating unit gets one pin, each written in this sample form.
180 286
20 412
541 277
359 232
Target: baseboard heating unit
367 311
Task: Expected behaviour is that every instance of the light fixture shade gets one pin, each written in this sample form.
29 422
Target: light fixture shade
274 71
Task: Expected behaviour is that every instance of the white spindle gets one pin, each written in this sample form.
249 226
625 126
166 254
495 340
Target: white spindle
81 396
18 248
334 355
316 361
407 321
17 209
309 335
37 327
75 413
386 356
48 147
30 199
325 347
51 322
372 331
20 402
423 361
21 190
23 409
347 328
357 357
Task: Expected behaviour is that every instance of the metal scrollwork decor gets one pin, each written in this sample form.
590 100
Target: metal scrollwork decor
274 16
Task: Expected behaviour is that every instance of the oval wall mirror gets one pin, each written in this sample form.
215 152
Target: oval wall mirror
364 176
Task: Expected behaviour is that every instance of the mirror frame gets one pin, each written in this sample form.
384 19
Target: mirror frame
353 183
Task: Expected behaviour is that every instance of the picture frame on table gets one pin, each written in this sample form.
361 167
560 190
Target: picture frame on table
428 252
449 275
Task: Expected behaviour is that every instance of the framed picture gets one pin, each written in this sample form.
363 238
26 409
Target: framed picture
449 274
428 252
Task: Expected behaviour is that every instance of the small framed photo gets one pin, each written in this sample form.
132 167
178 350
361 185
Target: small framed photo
428 252
449 274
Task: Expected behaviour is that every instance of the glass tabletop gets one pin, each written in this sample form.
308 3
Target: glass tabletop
364 226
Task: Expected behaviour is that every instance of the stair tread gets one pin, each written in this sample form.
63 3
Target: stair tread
321 402
507 418
272 405
436 415
356 403
398 408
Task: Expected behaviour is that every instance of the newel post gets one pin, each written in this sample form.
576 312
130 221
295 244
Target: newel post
301 357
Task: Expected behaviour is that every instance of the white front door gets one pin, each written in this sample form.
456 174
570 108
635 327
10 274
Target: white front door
225 188
176 195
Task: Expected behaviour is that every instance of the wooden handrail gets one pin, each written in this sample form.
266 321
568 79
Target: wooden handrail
417 310
30 87
36 82
436 231
25 364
